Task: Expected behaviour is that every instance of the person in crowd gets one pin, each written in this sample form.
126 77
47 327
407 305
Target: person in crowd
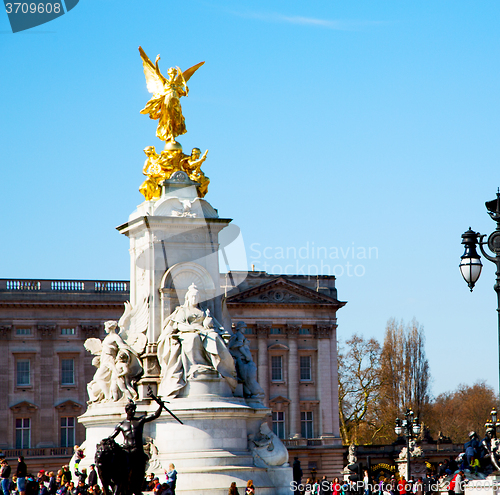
325 487
81 488
296 471
308 487
79 455
52 488
459 483
233 490
31 486
42 489
474 465
171 475
13 485
41 476
21 473
157 486
97 490
65 475
165 489
402 486
336 487
92 479
63 489
250 489
71 488
82 475
5 476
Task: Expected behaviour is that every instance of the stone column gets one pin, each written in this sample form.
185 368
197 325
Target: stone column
262 332
325 392
43 378
292 332
5 424
335 380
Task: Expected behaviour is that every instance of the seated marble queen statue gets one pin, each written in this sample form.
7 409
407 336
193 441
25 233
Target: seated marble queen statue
192 344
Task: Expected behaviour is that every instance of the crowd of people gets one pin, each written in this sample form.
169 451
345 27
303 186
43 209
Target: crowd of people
449 477
16 480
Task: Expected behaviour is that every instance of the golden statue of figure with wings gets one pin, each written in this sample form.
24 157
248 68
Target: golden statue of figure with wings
165 104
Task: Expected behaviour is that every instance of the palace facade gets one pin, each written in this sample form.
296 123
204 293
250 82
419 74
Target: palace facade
291 326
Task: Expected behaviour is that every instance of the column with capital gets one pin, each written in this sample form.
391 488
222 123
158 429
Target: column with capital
292 332
322 333
262 332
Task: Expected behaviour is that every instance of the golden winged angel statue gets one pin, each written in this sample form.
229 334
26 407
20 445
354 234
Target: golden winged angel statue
165 104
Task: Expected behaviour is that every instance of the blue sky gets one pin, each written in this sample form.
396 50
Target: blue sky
338 125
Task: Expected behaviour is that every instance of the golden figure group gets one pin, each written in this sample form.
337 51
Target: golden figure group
159 167
165 107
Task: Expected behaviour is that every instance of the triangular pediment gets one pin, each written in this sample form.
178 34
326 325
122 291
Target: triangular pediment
69 405
23 407
279 400
282 291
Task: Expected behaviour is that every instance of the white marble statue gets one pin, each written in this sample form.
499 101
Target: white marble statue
245 366
267 449
415 451
192 344
117 356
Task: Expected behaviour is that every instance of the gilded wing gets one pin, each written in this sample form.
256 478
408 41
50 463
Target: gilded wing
134 323
94 346
189 72
154 78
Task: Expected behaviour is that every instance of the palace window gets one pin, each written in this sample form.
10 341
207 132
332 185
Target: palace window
67 372
306 423
68 331
22 372
279 424
275 331
304 331
67 432
305 369
23 433
23 331
276 369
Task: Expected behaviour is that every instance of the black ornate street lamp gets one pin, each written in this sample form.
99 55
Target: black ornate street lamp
492 423
410 428
470 264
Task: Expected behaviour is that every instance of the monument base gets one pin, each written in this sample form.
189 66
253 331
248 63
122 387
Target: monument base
209 451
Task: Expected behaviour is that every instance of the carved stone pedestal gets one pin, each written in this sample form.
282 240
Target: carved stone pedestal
209 451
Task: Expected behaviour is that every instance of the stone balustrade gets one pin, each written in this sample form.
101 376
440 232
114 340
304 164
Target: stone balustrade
60 286
40 452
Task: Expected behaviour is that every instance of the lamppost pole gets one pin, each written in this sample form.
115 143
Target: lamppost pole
409 427
470 264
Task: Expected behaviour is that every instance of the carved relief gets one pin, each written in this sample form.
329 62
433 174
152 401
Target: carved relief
90 330
262 329
293 330
46 331
5 331
278 296
323 331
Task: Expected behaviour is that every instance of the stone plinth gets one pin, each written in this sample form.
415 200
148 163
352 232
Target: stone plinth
210 450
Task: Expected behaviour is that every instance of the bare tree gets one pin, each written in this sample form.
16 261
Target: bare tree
466 409
359 385
404 373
